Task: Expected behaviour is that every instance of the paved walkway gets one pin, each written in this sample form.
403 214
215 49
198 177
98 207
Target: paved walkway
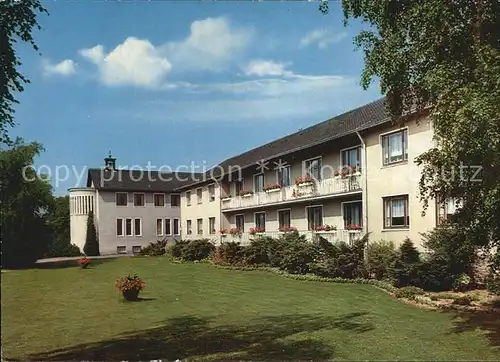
51 260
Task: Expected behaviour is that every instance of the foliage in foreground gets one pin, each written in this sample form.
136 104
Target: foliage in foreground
157 248
191 250
91 247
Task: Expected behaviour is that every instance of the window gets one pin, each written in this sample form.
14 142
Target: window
258 182
211 193
177 230
396 212
284 176
199 195
239 221
395 147
447 209
211 225
260 220
138 199
128 227
283 219
159 200
121 249
121 199
351 157
352 214
188 198
199 226
314 217
138 227
175 200
159 227
136 249
168 227
238 186
119 227
189 230
313 168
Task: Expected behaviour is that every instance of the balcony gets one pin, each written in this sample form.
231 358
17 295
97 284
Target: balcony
347 236
325 188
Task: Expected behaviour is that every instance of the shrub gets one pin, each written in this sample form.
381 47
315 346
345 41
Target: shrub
462 283
195 250
493 281
463 300
228 253
59 248
495 303
405 268
257 252
381 255
493 285
91 247
297 256
434 274
408 292
154 248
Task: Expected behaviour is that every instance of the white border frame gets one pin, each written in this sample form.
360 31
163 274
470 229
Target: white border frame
165 226
116 198
164 196
215 222
197 228
320 166
351 148
187 228
189 201
178 226
162 227
208 192
278 216
131 227
175 194
406 227
322 214
140 223
121 246
199 199
123 227
143 199
381 135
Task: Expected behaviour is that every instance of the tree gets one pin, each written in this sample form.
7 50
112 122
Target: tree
59 222
25 200
91 247
17 20
443 57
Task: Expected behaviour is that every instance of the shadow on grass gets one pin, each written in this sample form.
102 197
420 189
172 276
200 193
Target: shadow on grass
489 322
192 337
139 299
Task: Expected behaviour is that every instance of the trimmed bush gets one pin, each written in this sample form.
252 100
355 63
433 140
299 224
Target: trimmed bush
156 248
405 269
191 250
228 253
91 247
381 255
408 292
257 252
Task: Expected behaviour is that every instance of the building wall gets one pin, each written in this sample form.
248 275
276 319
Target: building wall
108 212
397 179
81 201
204 210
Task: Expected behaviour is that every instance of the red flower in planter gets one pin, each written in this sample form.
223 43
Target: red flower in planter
287 228
245 192
83 262
256 230
304 179
271 187
234 231
223 231
353 227
325 228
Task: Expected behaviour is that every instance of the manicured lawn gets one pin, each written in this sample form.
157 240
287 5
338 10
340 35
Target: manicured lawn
196 311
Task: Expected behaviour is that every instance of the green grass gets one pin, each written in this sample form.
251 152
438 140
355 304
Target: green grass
196 311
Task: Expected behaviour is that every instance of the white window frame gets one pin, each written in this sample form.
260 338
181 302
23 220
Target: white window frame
307 214
136 246
143 199
140 223
349 149
289 174
236 225
208 191
199 230
381 143
278 216
178 226
304 168
189 227
165 231
255 219
263 181
131 226
123 227
116 199
121 246
162 232
351 202
199 197
188 198
154 199
210 231
179 200
407 216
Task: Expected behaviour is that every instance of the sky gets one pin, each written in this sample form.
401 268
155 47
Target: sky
171 83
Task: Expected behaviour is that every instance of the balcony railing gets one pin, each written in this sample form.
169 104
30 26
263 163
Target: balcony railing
347 236
325 187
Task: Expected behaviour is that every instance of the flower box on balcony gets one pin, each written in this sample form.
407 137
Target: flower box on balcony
257 230
304 181
246 193
325 229
272 188
287 229
225 198
348 171
235 232
354 227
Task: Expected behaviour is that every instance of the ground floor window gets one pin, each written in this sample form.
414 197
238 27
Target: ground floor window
396 212
177 229
159 227
314 217
128 227
138 227
260 220
136 249
284 218
168 227
239 221
447 209
121 249
352 212
189 227
211 225
119 227
199 226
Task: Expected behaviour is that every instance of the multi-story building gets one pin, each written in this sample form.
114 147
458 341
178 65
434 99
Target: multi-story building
352 174
131 207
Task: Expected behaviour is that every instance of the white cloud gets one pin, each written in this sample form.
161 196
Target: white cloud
65 68
211 44
322 38
134 62
262 68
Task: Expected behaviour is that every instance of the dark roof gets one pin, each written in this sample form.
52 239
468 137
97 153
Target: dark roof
364 117
137 180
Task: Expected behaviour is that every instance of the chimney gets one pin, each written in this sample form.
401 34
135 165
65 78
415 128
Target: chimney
110 163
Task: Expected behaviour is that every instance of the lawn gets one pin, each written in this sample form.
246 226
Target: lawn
195 311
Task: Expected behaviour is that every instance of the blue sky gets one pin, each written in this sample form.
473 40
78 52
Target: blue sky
172 83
